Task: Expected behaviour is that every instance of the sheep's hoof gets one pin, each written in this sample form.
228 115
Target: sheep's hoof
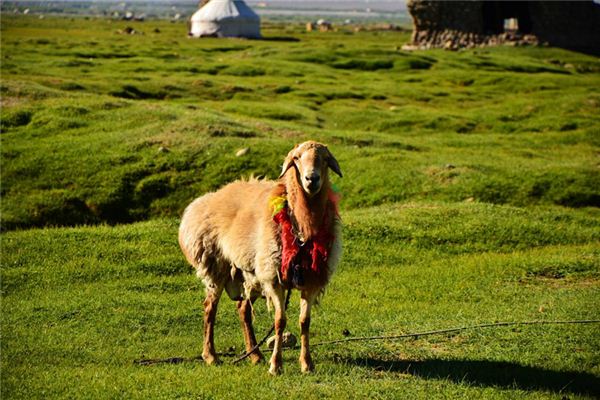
211 359
256 358
307 366
276 369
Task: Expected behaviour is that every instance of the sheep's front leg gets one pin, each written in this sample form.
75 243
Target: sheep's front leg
210 312
277 298
306 301
245 312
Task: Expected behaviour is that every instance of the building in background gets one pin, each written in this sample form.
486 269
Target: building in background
225 18
454 24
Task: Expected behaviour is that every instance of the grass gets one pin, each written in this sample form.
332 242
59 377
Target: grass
470 195
83 303
76 88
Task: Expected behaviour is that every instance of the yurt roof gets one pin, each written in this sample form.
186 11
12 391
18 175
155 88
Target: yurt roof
217 10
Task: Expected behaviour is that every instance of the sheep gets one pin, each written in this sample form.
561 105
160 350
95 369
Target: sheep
257 238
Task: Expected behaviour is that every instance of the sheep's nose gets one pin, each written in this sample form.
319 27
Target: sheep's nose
312 178
312 182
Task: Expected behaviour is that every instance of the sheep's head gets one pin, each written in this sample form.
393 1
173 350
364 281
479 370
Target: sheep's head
310 161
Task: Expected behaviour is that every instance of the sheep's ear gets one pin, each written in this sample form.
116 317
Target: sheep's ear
333 164
287 164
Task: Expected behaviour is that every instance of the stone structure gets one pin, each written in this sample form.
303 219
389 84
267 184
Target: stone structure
457 24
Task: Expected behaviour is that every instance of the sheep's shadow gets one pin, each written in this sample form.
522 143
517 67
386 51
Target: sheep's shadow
488 373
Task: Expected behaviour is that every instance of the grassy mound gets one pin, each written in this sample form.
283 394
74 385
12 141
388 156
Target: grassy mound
103 127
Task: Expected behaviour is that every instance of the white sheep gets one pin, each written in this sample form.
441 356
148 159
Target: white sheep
260 237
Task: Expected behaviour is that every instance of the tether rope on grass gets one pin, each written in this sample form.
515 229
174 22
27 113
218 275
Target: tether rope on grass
264 339
177 360
451 330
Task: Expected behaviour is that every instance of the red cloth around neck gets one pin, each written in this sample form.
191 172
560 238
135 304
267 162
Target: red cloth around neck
313 253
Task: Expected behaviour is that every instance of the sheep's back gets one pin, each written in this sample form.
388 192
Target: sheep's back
224 227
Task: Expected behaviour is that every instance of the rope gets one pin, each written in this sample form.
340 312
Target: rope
451 330
177 360
264 339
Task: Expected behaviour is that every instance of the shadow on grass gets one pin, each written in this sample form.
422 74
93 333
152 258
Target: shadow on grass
280 39
489 373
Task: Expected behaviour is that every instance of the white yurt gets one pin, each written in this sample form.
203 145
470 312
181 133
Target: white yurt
225 18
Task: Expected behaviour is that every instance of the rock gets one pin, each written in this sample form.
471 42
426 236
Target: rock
128 30
242 152
289 341
163 149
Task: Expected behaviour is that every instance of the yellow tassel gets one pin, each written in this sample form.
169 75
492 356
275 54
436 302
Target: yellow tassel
277 204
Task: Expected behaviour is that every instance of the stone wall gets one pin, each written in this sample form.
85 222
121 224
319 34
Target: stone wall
461 24
572 25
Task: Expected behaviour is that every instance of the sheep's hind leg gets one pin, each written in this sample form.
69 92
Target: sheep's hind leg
306 301
210 312
277 299
245 312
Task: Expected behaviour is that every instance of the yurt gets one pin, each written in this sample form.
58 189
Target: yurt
225 18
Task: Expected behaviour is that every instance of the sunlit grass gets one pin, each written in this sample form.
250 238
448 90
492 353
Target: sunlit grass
470 195
85 111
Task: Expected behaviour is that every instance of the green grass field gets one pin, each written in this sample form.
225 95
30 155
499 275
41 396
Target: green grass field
471 194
